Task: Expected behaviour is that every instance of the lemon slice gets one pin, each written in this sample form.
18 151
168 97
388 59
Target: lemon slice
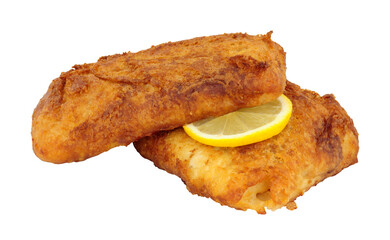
244 126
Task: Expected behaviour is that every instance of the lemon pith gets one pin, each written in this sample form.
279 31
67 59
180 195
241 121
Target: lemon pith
244 126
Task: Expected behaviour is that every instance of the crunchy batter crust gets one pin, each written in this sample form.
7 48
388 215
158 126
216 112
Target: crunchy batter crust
121 98
319 141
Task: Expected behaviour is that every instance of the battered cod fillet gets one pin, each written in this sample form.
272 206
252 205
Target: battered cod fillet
121 98
318 142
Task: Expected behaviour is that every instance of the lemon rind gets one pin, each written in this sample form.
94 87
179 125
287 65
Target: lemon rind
256 135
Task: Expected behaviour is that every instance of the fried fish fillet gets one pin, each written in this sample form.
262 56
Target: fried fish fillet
121 98
318 142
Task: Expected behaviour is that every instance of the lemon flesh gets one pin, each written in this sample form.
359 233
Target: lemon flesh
244 126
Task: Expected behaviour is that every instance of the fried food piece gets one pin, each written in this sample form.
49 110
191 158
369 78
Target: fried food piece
318 142
124 97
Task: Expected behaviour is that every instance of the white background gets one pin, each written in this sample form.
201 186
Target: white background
339 47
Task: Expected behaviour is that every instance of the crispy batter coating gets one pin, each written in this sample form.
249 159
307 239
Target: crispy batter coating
318 142
121 98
